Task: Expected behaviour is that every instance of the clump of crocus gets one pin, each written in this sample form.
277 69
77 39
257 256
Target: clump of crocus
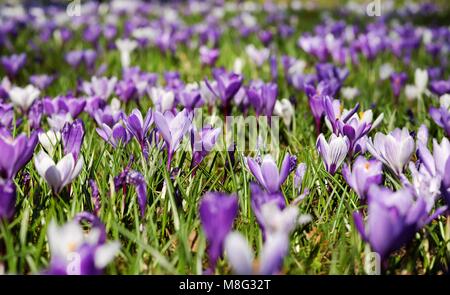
217 214
333 151
394 149
362 175
173 129
392 218
60 174
267 173
73 252
15 152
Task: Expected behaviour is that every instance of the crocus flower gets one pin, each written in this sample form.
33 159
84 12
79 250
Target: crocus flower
394 149
58 175
114 135
226 87
41 81
7 199
398 81
72 137
285 110
24 97
263 97
162 99
441 115
333 152
15 153
267 173
440 87
217 213
209 56
99 86
49 140
126 47
258 56
202 143
139 127
421 80
73 252
363 174
132 177
172 129
12 64
393 219
57 121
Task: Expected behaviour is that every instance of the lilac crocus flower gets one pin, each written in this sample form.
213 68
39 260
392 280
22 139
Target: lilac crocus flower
7 199
258 56
69 242
263 97
267 173
99 86
440 87
398 81
72 137
139 127
209 56
41 81
228 84
172 129
441 116
333 152
394 149
114 135
132 177
202 143
217 214
13 64
15 153
393 219
58 175
190 97
363 174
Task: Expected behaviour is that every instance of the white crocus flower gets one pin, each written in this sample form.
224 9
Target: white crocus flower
49 140
57 121
421 80
24 97
284 109
238 65
349 92
126 46
58 175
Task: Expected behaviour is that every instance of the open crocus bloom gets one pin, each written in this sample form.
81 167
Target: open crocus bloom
58 175
362 175
267 173
394 149
24 97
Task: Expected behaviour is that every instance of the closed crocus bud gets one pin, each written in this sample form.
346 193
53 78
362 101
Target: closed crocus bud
15 153
421 80
7 199
363 174
126 47
58 175
72 137
217 214
394 149
333 151
24 97
49 140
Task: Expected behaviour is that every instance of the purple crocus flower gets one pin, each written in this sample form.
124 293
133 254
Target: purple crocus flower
217 214
209 56
12 64
333 152
440 87
398 81
114 135
61 105
265 37
172 129
190 98
363 174
393 219
7 199
15 153
70 244
441 116
394 149
228 84
41 81
139 127
202 142
263 97
267 173
72 137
